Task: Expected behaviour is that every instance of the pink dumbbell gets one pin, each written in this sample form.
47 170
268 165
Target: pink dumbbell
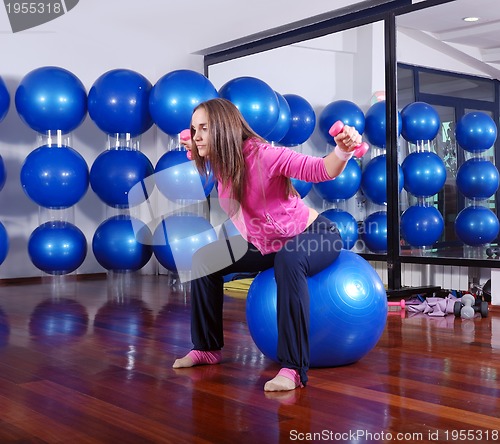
401 303
186 135
337 128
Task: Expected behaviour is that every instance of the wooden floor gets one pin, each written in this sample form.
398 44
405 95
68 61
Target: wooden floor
89 361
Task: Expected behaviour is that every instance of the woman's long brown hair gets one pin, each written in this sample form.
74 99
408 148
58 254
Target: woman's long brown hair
227 131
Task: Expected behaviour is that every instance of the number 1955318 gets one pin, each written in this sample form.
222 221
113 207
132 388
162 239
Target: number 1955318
34 7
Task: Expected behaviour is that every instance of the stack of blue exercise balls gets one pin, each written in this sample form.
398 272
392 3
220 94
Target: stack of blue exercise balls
347 184
4 108
53 102
118 104
477 180
348 312
374 177
424 175
171 104
180 233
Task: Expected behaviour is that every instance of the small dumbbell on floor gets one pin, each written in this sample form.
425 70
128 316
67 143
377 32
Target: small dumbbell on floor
467 307
401 304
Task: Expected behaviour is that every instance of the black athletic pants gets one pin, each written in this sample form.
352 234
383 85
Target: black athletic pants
305 255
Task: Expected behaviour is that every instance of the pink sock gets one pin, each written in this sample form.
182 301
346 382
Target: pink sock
291 374
205 357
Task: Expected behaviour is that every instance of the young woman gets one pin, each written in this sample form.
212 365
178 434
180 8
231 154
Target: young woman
277 229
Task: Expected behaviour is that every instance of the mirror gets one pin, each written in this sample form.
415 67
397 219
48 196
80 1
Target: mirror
438 55
453 65
347 66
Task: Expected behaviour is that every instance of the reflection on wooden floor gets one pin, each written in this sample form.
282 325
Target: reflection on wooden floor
89 361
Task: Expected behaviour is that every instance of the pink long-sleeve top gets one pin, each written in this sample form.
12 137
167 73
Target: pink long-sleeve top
267 217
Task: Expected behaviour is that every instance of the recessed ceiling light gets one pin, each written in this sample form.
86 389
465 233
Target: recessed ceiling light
470 19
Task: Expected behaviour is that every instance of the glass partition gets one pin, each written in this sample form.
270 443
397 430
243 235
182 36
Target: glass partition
434 61
340 75
447 94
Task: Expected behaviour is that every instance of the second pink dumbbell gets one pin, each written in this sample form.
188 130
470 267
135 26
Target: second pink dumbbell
186 135
337 128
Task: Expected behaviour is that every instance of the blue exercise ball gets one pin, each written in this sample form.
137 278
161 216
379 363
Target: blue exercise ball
3 173
374 180
301 186
55 177
424 173
284 121
118 102
51 99
57 247
344 110
344 186
174 97
477 178
421 226
348 312
4 243
476 225
177 178
476 132
178 237
114 174
374 232
375 124
302 123
420 122
4 99
122 243
256 100
346 224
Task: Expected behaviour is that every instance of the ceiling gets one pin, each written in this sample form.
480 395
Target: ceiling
445 25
